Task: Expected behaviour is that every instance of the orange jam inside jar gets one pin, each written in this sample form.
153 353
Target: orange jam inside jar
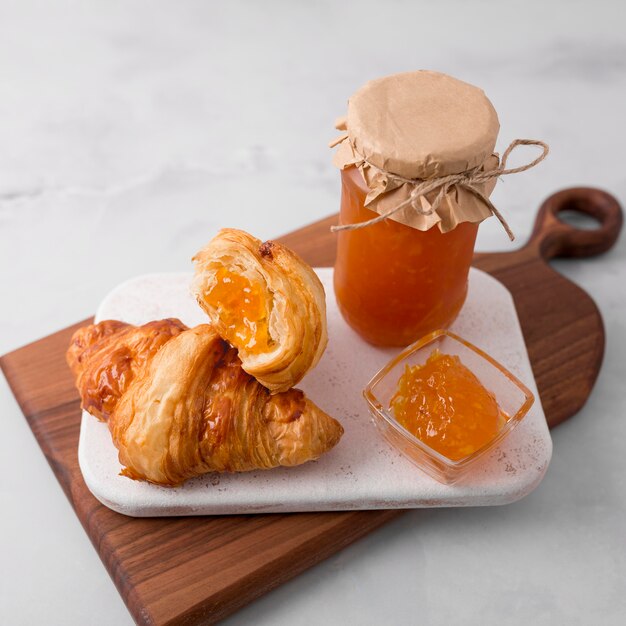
445 406
242 309
414 148
395 283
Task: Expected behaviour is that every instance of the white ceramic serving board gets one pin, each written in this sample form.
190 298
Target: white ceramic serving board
363 471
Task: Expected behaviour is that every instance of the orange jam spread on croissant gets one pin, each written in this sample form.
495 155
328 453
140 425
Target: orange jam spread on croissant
444 405
241 307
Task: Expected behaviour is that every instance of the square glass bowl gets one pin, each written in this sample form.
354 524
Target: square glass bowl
512 396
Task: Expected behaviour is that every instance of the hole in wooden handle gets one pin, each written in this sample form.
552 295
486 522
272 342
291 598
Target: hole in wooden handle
578 219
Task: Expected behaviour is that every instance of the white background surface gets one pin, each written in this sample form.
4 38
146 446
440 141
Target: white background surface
130 131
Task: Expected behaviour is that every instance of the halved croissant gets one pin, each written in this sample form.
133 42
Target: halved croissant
266 301
181 407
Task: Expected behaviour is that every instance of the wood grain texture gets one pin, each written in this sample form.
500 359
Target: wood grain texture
200 569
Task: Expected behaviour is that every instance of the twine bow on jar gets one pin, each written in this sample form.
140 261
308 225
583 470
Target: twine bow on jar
469 180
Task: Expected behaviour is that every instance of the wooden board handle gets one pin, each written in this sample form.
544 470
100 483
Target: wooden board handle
552 237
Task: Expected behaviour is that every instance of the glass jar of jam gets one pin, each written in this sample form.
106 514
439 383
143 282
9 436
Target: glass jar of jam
394 283
401 278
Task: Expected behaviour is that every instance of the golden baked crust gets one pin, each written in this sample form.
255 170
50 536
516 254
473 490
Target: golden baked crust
106 357
279 323
183 406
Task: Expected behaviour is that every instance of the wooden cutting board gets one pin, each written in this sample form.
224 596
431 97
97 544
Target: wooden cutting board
198 570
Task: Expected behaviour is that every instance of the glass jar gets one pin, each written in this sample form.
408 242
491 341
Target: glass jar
394 283
412 144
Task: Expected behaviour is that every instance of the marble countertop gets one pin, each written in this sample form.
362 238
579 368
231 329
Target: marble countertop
132 131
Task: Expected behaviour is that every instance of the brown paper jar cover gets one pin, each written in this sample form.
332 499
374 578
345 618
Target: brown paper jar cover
420 125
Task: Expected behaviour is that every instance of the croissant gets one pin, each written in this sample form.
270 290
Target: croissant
106 357
266 301
179 404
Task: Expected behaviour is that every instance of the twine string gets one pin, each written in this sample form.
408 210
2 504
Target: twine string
467 180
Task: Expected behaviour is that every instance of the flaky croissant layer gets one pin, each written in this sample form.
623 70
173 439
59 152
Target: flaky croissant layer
266 301
179 404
